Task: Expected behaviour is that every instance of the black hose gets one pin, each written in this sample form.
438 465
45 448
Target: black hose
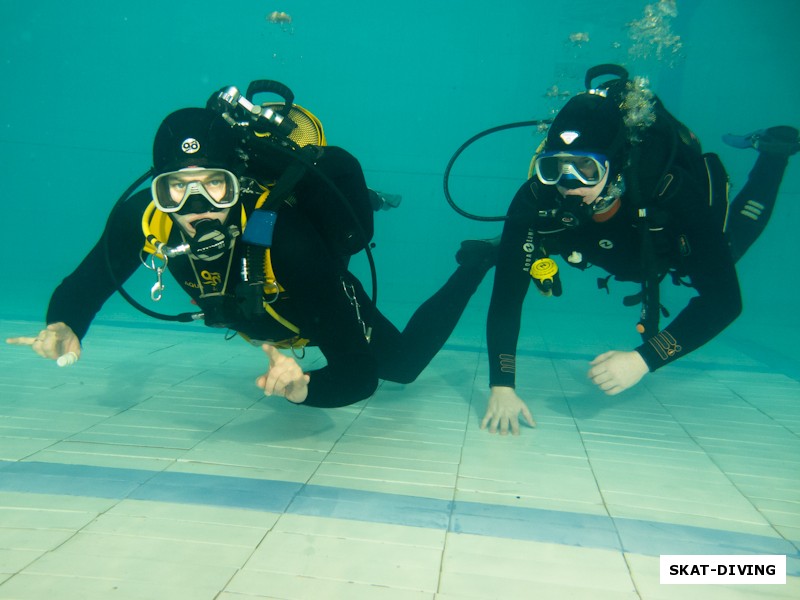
466 145
182 317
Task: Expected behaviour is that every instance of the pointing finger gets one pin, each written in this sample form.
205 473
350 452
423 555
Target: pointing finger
272 353
21 341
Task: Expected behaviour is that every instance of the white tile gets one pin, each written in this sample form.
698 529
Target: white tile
377 558
645 572
176 528
258 461
713 449
36 586
40 511
482 567
250 584
108 455
141 558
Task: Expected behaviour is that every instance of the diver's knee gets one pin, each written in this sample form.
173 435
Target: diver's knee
403 376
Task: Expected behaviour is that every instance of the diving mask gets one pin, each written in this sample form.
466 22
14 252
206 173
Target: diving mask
172 190
571 169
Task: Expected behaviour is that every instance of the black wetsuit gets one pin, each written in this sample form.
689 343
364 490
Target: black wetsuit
312 275
752 208
691 242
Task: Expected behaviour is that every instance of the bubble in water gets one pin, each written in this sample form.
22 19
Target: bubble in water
652 35
555 92
639 107
578 38
279 17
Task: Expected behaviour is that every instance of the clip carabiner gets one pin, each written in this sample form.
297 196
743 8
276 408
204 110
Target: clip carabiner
158 286
350 292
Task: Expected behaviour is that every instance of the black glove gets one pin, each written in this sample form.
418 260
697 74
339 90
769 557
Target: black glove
544 272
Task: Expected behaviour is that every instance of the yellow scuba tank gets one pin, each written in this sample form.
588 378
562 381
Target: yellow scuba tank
309 128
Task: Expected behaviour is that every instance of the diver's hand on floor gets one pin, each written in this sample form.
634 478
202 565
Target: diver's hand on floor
615 371
284 377
503 411
57 342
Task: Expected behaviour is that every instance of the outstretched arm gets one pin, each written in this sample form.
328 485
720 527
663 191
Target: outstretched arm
81 295
511 283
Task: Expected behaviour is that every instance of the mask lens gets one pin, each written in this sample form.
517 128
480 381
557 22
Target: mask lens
218 186
548 169
585 168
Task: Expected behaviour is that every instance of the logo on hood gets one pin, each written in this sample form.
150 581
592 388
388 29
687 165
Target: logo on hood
569 136
190 146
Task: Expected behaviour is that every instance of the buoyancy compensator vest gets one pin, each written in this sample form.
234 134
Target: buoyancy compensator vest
657 145
282 144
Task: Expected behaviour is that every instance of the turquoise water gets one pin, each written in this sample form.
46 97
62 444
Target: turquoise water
399 85
158 459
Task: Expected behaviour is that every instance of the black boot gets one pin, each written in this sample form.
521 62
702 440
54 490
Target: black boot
480 254
384 201
781 140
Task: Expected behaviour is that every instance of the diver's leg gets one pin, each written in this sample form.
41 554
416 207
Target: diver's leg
752 208
401 357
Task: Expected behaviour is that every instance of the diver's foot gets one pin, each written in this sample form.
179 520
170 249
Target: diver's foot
384 201
478 253
781 140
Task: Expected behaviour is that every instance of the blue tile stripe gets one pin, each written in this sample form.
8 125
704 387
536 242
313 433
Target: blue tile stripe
560 527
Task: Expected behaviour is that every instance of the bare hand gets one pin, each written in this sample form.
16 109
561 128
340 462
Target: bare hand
284 377
503 411
57 342
615 371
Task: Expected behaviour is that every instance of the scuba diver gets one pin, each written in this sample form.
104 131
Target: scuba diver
258 230
621 184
